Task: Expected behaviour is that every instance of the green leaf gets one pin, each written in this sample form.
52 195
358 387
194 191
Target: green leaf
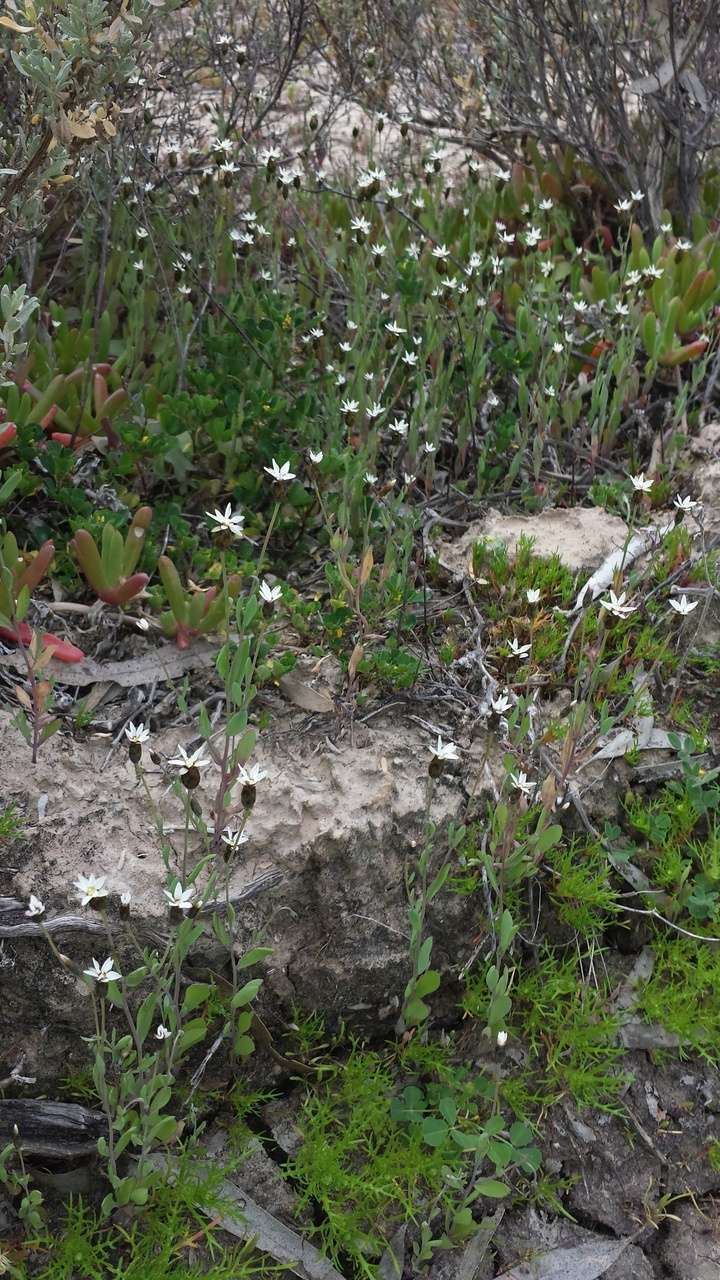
520 1134
254 957
490 1187
243 1046
427 983
424 955
506 930
145 1015
135 977
246 993
416 1011
192 1034
544 840
448 1109
196 994
164 1130
434 1131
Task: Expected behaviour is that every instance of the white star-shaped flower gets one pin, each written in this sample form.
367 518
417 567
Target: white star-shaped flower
180 898
90 887
445 750
620 606
35 907
136 732
280 474
683 606
103 972
227 521
519 650
184 761
270 594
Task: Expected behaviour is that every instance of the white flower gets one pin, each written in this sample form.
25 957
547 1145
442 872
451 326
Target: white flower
551 392
440 251
545 205
410 359
379 249
501 1040
501 704
395 329
641 483
373 411
349 406
195 760
623 206
558 348
685 504
666 227
682 606
316 457
162 1032
533 595
532 236
507 237
180 898
492 400
620 308
429 447
580 305
280 474
136 732
521 783
270 594
636 196
227 521
103 972
399 427
233 839
413 250
360 224
618 605
519 650
252 775
445 750
90 887
546 267
35 906
632 278
370 478
683 244
125 898
317 333
654 273
408 478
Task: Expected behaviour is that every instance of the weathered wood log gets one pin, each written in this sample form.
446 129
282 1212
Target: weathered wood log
11 909
54 1130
